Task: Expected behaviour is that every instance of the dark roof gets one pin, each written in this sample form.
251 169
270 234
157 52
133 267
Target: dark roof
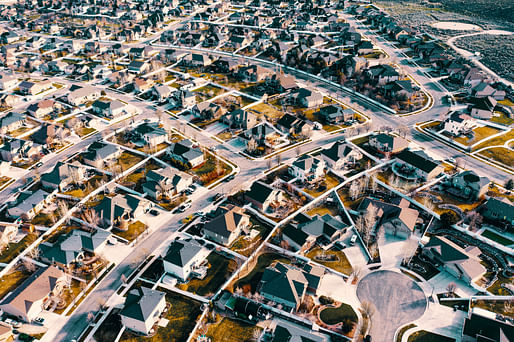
141 303
181 252
260 191
418 159
489 328
226 221
295 234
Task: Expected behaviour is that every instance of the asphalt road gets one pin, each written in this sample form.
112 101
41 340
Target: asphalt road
397 300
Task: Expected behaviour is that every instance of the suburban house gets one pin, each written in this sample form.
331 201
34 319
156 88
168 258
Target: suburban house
307 168
283 330
207 110
142 309
42 108
73 247
483 89
262 196
499 210
466 186
290 124
240 118
82 95
162 92
101 154
459 123
462 263
64 174
17 150
335 114
8 81
479 327
109 109
186 153
382 73
226 226
306 98
121 209
11 122
483 108
416 165
148 133
319 229
396 218
339 155
287 285
166 181
29 204
386 143
47 134
33 88
185 259
27 300
254 73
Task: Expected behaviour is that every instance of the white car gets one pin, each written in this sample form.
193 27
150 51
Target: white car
169 280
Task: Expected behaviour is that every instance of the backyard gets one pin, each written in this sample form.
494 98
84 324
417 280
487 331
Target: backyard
335 260
12 280
499 154
13 249
331 315
252 279
497 238
329 181
230 330
479 134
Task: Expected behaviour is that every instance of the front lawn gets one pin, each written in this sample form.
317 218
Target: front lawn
426 336
499 154
133 231
128 159
337 315
219 271
13 249
269 111
329 181
252 279
323 209
182 318
496 237
340 262
12 280
230 330
211 170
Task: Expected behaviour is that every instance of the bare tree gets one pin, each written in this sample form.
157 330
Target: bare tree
91 216
475 220
62 207
368 309
278 158
355 189
409 247
451 287
373 185
370 217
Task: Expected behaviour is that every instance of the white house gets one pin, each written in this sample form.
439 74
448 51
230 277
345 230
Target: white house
458 123
340 154
142 310
186 258
307 168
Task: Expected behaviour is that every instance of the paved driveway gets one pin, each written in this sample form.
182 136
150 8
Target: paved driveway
397 299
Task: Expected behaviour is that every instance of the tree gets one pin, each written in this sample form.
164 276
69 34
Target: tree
91 216
373 185
509 185
475 220
370 217
368 309
409 247
278 158
451 287
252 145
355 189
449 218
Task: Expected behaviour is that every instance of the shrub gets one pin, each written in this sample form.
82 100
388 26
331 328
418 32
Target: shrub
326 300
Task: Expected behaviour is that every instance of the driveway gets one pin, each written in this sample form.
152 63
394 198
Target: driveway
397 300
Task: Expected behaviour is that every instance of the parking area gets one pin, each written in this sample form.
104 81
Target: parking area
397 300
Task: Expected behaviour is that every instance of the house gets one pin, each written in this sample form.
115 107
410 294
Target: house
483 108
186 153
29 204
141 84
335 114
486 327
47 134
287 285
416 165
100 154
402 90
109 109
395 218
466 186
386 143
253 73
307 168
73 247
227 224
462 263
319 229
458 123
306 98
483 89
16 150
142 309
8 232
64 174
499 210
339 155
207 110
138 67
290 124
42 108
383 73
196 60
148 133
11 122
185 259
282 330
8 81
166 181
261 133
26 301
82 95
240 118
161 92
279 83
262 196
120 209
33 88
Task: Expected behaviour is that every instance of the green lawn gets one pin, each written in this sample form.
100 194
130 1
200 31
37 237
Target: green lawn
426 336
254 277
496 237
13 249
332 316
133 231
230 330
182 318
342 264
219 271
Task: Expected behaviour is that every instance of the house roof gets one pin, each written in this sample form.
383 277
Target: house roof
185 149
181 252
25 202
260 191
99 150
502 206
337 151
488 329
34 288
418 159
288 331
113 207
306 162
141 303
391 211
393 142
322 225
60 172
226 221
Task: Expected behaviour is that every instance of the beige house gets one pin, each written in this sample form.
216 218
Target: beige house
227 225
142 310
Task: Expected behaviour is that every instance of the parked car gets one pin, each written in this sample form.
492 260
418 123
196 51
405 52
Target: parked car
184 206
39 321
353 239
